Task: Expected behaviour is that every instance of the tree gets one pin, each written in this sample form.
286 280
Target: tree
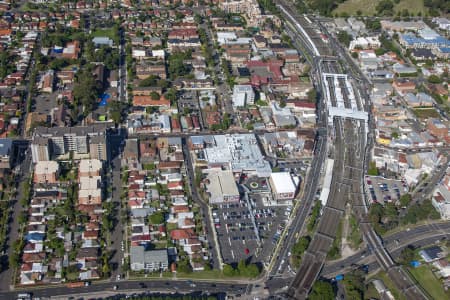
355 55
106 269
312 95
379 51
177 67
298 249
373 24
321 290
373 170
301 245
14 260
155 96
228 270
162 83
246 270
183 266
314 216
407 255
354 285
420 211
171 95
385 7
252 271
23 216
405 13
325 7
226 121
344 38
151 80
376 213
405 200
198 19
115 110
86 89
434 79
157 218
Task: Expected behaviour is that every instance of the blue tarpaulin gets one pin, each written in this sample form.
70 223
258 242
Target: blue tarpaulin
104 100
414 263
339 277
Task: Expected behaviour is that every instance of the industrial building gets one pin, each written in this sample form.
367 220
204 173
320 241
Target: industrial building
148 260
283 186
221 186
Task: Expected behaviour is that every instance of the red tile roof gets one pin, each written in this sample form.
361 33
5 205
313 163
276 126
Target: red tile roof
181 234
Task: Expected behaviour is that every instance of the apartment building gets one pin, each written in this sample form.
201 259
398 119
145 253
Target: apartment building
88 141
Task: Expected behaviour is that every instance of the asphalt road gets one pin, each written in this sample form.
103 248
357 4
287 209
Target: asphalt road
122 69
213 246
7 275
305 205
417 237
117 234
223 90
185 286
427 232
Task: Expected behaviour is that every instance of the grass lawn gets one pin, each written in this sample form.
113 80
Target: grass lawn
413 6
425 113
371 292
387 281
354 234
104 32
216 274
429 282
209 274
160 245
72 276
171 226
368 7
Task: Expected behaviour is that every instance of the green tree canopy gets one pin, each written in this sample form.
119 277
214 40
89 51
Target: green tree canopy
385 7
157 218
321 290
344 38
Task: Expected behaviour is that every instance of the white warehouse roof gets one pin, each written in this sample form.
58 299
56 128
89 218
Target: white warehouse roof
282 182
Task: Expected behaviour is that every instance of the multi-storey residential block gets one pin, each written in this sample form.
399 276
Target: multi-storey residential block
87 141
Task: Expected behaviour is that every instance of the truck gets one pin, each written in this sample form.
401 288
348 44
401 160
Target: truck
75 284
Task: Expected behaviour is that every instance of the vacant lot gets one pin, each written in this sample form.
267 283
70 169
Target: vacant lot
104 32
424 113
368 7
389 284
429 282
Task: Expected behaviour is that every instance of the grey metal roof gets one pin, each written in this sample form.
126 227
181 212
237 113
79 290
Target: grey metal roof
5 147
138 254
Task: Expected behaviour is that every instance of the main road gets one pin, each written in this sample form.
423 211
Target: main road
418 237
394 243
139 286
